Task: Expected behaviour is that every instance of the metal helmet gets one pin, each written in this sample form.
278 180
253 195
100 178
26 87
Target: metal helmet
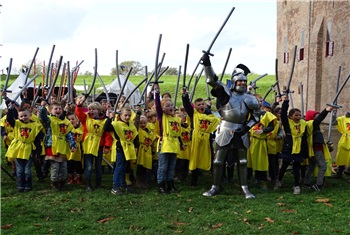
239 74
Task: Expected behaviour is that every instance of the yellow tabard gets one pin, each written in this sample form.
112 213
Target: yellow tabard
127 134
93 136
78 137
271 141
297 131
23 142
343 150
171 133
59 130
257 152
203 125
144 154
186 140
8 129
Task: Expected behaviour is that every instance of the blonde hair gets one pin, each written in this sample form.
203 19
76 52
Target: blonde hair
163 101
95 105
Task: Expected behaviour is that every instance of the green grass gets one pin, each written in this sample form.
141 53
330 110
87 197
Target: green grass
43 211
169 84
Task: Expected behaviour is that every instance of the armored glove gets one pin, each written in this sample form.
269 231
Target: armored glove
243 130
205 60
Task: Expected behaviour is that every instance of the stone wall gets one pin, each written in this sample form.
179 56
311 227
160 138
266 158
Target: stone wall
304 24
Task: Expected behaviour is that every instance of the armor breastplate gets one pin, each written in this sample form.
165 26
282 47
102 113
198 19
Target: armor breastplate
234 116
235 110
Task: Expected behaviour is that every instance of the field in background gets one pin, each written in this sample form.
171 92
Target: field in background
169 84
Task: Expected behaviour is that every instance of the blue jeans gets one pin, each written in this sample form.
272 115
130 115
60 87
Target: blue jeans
89 163
58 171
166 167
119 171
24 173
320 161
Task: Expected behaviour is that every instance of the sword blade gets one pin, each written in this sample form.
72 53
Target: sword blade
227 59
177 85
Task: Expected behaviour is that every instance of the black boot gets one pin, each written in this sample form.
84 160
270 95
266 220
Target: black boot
88 185
194 178
98 183
171 187
55 185
63 185
162 188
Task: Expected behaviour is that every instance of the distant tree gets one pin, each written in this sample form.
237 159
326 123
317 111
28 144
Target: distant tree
137 67
171 71
87 73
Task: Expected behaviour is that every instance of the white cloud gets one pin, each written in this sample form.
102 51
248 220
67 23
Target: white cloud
133 28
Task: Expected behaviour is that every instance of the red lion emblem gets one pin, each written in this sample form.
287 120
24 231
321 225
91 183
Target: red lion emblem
63 128
25 131
174 126
128 134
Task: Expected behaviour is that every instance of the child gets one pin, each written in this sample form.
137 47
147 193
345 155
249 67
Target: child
96 140
58 132
317 148
342 158
295 144
144 154
152 119
125 133
74 163
169 132
26 133
257 152
274 146
203 124
183 157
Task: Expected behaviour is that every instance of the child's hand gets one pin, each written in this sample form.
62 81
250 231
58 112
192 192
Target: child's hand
105 150
258 132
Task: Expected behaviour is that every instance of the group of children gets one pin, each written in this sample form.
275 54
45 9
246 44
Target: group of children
161 142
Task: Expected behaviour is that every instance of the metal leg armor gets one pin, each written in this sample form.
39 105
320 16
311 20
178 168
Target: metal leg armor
217 172
242 172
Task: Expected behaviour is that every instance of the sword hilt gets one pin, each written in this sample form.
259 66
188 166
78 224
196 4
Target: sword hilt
335 106
208 53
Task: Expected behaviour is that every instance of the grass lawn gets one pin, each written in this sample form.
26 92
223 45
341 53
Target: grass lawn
43 211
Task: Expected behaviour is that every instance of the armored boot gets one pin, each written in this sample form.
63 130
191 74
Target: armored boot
162 188
243 172
171 187
215 190
217 176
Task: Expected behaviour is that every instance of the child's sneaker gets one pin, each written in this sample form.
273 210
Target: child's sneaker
117 191
278 185
316 187
296 190
307 186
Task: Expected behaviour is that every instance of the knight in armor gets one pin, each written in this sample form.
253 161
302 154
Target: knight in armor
239 112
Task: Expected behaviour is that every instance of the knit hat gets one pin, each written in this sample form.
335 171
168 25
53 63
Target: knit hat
310 115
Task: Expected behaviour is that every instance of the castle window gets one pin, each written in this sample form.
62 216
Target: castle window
285 52
301 50
329 48
329 42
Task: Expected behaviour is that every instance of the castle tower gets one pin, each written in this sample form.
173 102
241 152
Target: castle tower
321 31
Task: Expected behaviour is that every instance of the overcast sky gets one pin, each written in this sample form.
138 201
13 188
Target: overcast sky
77 27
